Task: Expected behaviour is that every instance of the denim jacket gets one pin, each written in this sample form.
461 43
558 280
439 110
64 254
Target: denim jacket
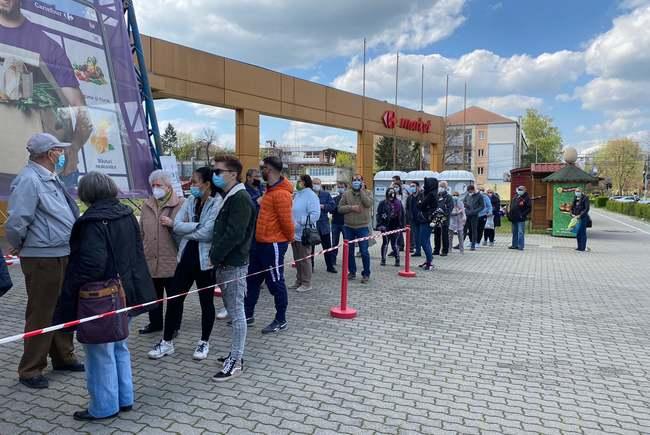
202 231
41 214
329 206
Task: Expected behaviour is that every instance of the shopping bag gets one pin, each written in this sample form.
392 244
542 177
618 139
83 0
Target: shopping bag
489 223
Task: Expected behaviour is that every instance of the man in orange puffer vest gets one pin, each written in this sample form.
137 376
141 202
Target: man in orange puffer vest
273 233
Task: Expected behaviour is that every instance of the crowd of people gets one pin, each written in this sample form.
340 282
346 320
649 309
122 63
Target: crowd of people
229 231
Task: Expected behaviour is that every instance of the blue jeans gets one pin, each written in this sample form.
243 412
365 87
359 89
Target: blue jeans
518 234
108 377
581 235
424 235
337 230
355 233
234 292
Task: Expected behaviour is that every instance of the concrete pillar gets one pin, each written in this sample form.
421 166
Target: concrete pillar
436 157
366 156
247 138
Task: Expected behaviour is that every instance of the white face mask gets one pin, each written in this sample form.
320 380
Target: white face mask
317 187
159 192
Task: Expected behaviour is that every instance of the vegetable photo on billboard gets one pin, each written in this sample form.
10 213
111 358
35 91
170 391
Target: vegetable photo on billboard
66 69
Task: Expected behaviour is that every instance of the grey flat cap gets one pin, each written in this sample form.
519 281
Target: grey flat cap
43 142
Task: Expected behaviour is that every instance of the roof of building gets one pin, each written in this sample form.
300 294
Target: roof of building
570 174
548 168
476 115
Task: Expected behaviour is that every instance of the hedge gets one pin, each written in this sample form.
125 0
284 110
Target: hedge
630 208
600 201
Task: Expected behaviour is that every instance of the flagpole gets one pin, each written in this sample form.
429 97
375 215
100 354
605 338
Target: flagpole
395 125
422 110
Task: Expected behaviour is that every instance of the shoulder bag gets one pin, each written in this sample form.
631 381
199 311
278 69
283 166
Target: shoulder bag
310 235
100 297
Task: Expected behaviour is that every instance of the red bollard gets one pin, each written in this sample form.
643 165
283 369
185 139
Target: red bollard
407 272
344 312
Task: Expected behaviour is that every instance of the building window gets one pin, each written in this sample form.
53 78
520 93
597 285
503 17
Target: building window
480 171
481 153
481 135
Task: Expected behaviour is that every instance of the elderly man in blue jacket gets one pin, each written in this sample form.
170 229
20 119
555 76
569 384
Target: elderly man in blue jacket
327 205
41 215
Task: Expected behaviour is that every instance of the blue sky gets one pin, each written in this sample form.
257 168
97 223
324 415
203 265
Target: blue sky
577 61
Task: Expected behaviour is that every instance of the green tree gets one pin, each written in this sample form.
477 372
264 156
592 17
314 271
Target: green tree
543 138
408 155
346 160
622 161
185 147
169 140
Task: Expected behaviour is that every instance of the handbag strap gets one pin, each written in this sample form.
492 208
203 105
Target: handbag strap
110 248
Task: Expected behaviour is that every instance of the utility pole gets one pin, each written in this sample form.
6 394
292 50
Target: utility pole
646 175
465 162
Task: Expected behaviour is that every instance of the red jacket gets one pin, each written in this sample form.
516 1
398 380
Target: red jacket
275 221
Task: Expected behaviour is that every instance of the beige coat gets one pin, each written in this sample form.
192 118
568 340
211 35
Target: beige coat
159 247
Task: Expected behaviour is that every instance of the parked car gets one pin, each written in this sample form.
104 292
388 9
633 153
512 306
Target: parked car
626 199
644 201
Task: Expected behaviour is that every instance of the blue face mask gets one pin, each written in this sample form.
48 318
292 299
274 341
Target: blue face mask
218 181
196 192
60 163
356 185
341 190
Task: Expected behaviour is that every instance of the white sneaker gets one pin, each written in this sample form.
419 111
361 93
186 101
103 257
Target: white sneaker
303 289
202 349
161 349
222 314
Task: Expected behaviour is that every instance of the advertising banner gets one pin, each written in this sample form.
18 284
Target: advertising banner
66 69
563 194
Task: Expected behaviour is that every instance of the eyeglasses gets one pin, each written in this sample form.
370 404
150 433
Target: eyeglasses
220 171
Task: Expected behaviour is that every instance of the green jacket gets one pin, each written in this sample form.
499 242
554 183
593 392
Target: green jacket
233 229
351 218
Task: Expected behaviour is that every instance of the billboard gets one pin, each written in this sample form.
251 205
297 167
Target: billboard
66 69
563 195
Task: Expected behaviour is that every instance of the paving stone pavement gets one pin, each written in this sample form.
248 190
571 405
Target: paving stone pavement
495 341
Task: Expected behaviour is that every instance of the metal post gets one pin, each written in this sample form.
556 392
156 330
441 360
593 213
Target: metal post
395 127
343 311
145 88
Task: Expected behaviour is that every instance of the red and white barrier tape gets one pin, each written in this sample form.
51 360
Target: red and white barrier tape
11 260
77 322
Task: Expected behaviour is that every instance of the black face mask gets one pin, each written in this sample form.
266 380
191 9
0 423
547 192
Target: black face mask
257 183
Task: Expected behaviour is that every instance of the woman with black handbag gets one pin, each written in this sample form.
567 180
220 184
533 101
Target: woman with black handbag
390 216
306 211
107 270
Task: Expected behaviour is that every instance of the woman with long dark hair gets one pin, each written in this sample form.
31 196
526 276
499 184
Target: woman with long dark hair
195 223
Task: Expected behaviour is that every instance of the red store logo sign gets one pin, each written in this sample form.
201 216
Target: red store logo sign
390 121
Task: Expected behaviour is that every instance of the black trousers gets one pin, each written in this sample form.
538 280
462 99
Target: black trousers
187 273
392 241
330 257
481 227
489 234
441 239
471 229
156 315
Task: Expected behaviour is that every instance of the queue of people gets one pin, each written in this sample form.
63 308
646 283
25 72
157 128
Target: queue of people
230 231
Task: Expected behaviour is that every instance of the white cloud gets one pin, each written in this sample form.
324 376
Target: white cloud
497 6
512 105
581 129
622 52
613 94
565 98
213 112
300 133
297 33
633 4
487 74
